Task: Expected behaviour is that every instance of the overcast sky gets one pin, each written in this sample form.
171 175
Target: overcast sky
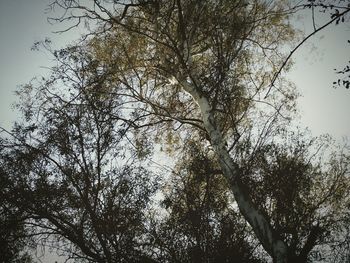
23 22
323 108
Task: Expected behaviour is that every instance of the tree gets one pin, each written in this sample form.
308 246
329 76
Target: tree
201 224
13 234
164 71
72 174
206 53
305 197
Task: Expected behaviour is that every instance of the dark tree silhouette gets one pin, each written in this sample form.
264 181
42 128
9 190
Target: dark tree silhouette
172 74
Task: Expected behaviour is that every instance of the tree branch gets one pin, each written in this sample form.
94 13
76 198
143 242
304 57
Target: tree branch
298 46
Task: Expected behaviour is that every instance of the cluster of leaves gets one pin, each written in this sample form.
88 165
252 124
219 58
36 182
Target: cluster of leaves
78 166
14 237
302 195
77 181
201 223
345 80
71 172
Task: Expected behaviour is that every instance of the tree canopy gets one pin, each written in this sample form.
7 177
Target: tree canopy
201 81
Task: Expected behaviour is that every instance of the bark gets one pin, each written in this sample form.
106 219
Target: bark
261 226
315 233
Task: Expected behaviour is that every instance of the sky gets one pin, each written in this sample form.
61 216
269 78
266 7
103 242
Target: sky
322 108
23 22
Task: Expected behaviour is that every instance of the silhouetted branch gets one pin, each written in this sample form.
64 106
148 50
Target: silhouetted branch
298 46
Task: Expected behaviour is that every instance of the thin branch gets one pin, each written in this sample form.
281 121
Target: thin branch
297 47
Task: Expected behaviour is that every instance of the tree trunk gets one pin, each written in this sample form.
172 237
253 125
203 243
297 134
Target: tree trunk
271 242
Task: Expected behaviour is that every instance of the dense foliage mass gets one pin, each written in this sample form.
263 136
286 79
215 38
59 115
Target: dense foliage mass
197 84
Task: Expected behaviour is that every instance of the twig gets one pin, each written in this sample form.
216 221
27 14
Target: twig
297 47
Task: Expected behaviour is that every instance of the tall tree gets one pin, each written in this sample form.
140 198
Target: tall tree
163 71
217 57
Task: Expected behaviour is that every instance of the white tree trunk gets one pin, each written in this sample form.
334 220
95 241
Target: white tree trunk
272 243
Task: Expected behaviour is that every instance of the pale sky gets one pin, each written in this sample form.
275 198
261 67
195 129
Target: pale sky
23 22
323 109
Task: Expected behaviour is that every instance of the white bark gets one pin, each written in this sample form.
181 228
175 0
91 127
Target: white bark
261 226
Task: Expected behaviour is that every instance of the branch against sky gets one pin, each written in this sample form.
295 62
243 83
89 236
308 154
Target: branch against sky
178 71
338 12
200 56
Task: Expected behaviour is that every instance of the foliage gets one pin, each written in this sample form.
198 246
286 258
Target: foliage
195 78
305 196
14 237
201 223
73 176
